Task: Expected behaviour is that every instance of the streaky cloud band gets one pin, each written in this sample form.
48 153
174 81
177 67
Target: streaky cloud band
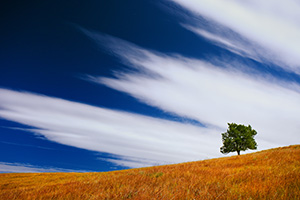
136 140
270 27
6 167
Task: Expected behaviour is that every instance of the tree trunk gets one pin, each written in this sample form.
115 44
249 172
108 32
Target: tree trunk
238 152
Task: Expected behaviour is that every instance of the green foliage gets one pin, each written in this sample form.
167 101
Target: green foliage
238 138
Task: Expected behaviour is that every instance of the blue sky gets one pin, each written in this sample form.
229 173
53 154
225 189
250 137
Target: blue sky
109 85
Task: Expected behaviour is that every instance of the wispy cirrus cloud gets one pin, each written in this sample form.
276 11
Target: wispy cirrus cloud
6 167
135 140
268 30
213 95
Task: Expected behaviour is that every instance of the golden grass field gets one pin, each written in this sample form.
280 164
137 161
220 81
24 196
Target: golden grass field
270 174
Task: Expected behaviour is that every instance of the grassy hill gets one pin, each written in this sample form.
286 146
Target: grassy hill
270 174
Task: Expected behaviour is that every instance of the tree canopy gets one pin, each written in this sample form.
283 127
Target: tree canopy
238 138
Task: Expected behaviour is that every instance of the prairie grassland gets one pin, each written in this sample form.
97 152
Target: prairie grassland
270 174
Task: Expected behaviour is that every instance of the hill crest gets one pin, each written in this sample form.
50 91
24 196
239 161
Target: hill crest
268 174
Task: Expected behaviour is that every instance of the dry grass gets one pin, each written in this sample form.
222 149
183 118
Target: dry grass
271 174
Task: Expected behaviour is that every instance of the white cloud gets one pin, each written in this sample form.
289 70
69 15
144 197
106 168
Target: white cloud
210 94
232 42
272 26
137 140
133 162
6 167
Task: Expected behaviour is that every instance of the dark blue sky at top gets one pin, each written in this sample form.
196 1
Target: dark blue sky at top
41 44
42 51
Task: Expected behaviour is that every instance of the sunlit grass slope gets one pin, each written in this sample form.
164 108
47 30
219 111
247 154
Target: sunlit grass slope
270 174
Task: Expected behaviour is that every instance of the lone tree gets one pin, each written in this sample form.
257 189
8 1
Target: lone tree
238 138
